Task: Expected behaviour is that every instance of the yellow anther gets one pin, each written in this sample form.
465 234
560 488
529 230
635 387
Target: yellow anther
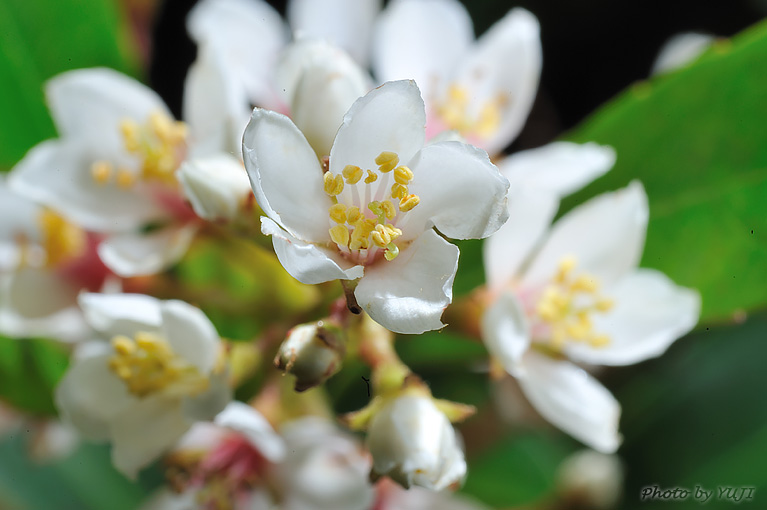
123 345
599 341
383 235
372 177
388 209
334 184
489 120
338 213
362 229
161 125
403 175
352 174
101 171
387 161
566 265
340 235
391 252
353 214
604 304
407 203
125 178
584 283
399 191
458 114
61 240
130 133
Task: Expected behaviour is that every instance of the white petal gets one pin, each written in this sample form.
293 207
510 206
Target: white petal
306 262
246 36
650 313
345 23
36 292
389 118
217 186
91 103
324 93
252 425
559 168
680 50
505 252
417 498
205 406
286 176
216 107
422 41
66 325
57 173
515 41
121 314
461 191
89 396
134 254
167 499
409 294
572 400
144 431
605 235
190 333
506 331
19 220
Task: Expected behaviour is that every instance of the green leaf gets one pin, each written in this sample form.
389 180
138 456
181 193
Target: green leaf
696 140
518 470
43 38
29 371
696 416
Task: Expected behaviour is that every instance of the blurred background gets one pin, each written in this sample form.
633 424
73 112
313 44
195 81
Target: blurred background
696 138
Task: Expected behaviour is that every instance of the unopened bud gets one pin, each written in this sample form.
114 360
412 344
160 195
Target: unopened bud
311 352
589 479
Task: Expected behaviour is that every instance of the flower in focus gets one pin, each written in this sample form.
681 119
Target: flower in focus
580 296
156 371
413 442
44 263
112 171
370 215
482 90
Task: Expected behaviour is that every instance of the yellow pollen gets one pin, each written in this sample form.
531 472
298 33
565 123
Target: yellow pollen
130 132
408 202
403 175
334 184
340 235
386 161
567 304
125 178
399 191
353 214
160 145
372 177
388 209
338 213
61 240
352 174
147 364
456 113
101 171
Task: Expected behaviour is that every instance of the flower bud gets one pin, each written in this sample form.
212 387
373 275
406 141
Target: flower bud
589 479
413 443
311 352
216 186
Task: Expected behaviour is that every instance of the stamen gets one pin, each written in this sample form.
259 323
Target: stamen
403 175
372 177
334 185
125 178
352 174
101 171
340 235
407 203
61 240
338 213
386 161
399 191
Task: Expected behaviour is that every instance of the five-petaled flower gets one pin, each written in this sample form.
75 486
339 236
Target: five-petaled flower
370 215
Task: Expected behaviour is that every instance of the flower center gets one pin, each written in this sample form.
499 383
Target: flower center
159 145
61 240
366 226
147 364
566 306
456 112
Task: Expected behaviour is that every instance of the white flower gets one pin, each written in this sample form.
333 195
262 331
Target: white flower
680 50
391 496
324 469
113 168
485 89
591 479
143 390
414 443
370 216
580 295
44 263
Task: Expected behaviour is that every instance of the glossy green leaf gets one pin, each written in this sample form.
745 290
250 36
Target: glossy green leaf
696 140
40 39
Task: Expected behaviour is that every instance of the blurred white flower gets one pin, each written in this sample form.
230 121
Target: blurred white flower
577 293
483 90
44 262
160 373
391 496
370 215
680 50
217 186
112 170
414 443
589 479
324 469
